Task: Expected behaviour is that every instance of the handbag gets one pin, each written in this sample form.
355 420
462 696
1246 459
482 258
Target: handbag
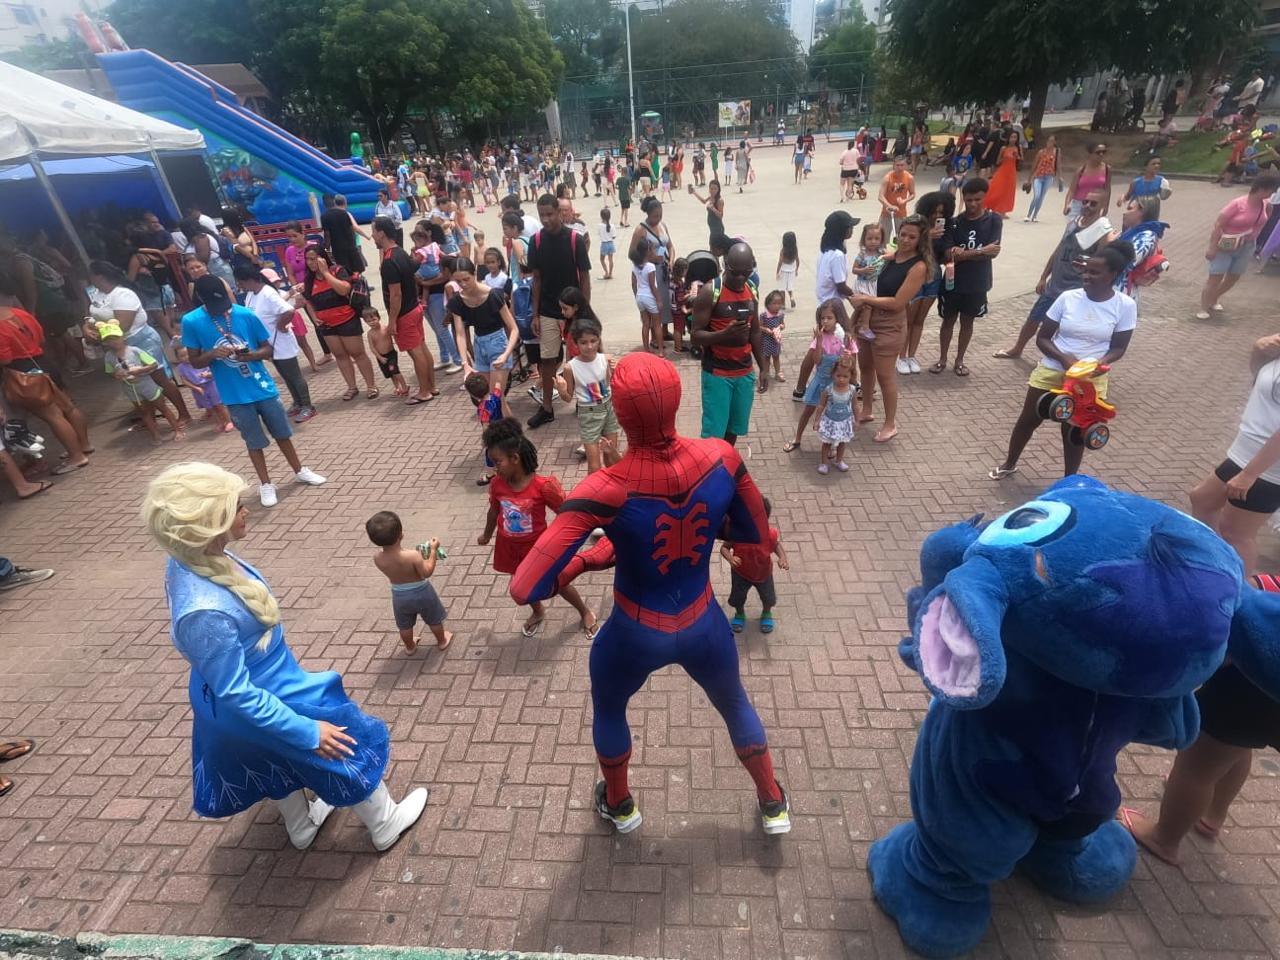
32 391
1231 242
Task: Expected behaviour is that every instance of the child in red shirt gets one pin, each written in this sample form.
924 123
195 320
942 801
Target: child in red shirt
751 565
519 498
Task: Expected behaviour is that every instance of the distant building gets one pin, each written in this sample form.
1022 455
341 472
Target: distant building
24 22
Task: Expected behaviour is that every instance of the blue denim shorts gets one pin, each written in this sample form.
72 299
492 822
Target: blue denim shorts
1040 309
489 348
249 419
1231 261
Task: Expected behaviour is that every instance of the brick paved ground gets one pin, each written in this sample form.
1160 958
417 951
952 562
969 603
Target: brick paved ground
98 835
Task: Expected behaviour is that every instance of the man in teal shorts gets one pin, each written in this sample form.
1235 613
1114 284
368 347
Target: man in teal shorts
726 326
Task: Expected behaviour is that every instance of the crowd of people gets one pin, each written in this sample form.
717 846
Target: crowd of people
196 312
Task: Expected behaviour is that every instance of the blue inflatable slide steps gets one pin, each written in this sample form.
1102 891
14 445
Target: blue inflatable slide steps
258 164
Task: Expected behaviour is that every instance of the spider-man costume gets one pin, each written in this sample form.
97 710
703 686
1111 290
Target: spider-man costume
662 506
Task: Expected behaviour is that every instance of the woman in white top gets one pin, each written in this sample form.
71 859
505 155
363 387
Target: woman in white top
114 300
1244 489
1095 322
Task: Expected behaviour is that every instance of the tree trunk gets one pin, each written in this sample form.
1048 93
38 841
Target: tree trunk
1039 96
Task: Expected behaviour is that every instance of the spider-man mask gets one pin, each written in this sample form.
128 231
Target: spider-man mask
646 395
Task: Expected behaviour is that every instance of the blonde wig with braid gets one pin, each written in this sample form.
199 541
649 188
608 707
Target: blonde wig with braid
187 507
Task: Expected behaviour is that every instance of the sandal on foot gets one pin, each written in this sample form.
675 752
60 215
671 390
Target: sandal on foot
883 437
961 370
999 473
739 622
531 628
6 786
766 623
44 485
13 749
69 468
789 446
938 367
1127 816
372 394
350 394
1207 829
1007 355
448 639
592 630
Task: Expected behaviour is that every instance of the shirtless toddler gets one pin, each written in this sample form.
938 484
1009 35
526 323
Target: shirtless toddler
409 571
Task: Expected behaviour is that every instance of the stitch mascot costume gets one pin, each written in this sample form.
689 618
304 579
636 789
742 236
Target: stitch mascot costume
1050 638
662 505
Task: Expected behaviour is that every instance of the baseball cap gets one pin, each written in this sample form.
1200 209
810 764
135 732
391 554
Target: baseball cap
212 292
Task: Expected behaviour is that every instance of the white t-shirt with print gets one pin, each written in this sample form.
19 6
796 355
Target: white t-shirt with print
270 307
1085 326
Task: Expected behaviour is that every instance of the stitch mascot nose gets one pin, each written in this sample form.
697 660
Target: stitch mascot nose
646 395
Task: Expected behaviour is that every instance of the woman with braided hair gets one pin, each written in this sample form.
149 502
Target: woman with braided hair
263 728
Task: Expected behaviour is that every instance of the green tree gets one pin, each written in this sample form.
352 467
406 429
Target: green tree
50 55
375 59
1012 47
692 53
844 59
588 34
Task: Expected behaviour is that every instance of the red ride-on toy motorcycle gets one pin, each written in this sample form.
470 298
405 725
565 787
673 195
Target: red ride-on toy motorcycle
1077 402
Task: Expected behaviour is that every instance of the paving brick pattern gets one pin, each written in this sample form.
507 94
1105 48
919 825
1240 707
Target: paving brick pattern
99 835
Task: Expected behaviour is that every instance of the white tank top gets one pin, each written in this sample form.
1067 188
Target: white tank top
590 380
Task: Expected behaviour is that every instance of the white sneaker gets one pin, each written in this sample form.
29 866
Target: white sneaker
453 368
902 366
442 364
267 494
1218 308
913 364
309 477
1202 314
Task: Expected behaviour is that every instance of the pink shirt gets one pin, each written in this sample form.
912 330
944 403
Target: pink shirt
295 259
1240 216
849 160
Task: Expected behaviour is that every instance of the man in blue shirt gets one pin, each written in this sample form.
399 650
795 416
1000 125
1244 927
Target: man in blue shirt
233 343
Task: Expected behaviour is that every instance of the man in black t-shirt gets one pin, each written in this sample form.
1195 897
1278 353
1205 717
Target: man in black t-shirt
404 311
558 259
971 242
340 235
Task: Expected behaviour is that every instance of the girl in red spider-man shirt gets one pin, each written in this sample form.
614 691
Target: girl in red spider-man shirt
518 500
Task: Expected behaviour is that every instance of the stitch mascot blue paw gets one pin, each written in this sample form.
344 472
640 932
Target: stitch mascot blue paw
1050 638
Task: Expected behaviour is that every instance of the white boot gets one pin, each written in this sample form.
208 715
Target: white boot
302 818
387 820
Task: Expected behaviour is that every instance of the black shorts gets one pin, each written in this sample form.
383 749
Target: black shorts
389 364
1235 712
848 174
349 328
951 303
1263 497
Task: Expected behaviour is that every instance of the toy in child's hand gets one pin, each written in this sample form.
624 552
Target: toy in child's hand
1077 402
425 550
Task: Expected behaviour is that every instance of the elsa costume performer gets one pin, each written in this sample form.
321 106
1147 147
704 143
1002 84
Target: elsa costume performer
264 728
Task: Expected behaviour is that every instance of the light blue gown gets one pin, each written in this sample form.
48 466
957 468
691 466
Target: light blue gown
254 733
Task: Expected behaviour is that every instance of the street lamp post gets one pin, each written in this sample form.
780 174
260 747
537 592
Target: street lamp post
631 83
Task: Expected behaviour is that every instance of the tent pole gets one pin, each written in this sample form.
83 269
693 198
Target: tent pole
61 211
164 179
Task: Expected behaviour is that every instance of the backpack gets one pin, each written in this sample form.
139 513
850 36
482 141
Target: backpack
717 285
1151 268
358 298
573 242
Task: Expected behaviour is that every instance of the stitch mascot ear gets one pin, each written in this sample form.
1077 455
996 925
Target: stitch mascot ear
1254 644
941 552
957 636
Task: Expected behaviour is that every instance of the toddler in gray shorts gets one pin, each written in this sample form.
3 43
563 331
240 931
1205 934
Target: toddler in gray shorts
412 595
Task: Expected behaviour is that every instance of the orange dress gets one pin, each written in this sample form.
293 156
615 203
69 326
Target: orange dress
1003 188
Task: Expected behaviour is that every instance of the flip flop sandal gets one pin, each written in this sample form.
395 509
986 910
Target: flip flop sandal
592 630
1006 355
448 639
961 370
16 749
44 485
999 473
6 786
372 394
69 468
738 623
417 401
1126 816
766 623
938 367
530 630
789 446
484 481
350 394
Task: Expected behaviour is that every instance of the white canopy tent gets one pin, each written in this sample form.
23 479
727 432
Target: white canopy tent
40 116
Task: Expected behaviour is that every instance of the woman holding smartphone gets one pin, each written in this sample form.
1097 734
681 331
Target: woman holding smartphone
936 208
